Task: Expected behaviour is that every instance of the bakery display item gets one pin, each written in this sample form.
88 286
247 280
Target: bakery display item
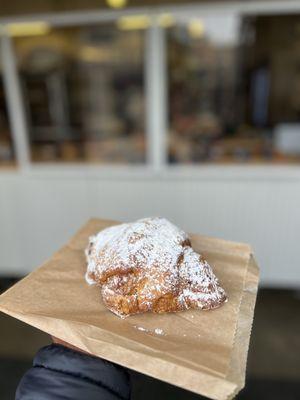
149 265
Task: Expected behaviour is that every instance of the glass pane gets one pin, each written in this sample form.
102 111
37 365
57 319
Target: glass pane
230 97
7 156
84 94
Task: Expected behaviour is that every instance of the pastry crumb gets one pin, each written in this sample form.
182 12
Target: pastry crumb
140 328
157 331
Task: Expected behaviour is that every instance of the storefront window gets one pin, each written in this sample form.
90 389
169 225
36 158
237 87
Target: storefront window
6 145
83 91
234 89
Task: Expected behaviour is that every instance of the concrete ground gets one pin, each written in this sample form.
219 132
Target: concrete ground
273 364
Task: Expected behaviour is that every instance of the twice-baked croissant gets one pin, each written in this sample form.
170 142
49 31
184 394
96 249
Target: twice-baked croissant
149 265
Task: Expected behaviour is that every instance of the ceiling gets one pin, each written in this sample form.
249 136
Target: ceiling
17 7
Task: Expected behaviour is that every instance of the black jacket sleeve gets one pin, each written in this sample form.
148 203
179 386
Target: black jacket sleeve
59 373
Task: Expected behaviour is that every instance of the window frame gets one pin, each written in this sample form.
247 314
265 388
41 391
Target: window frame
155 72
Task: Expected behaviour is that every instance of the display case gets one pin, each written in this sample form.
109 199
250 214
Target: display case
83 91
153 88
229 89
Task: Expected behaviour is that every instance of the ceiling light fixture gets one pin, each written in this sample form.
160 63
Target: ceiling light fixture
196 28
132 22
116 3
166 20
28 28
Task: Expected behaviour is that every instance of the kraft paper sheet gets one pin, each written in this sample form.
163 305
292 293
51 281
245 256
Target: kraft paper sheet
202 351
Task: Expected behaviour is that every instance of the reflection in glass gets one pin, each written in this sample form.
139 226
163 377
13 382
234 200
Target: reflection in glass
84 94
229 89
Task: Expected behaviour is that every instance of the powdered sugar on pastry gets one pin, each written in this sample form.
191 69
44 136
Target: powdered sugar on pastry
149 265
159 331
145 242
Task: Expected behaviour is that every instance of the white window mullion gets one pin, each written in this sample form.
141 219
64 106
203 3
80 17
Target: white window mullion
156 97
15 104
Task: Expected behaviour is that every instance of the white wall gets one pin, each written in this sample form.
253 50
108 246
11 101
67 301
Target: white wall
39 213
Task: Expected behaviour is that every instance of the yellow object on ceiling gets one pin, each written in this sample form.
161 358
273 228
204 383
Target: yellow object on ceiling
196 28
116 3
28 28
166 20
132 22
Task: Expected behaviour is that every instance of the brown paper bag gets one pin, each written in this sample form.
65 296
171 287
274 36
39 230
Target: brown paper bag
202 351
